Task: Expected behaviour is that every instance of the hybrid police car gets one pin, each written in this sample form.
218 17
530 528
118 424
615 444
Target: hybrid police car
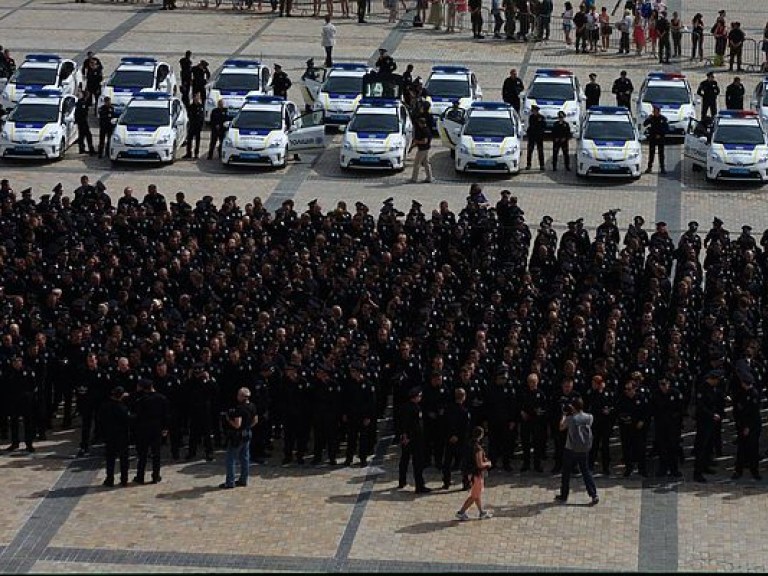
151 128
236 80
339 93
267 129
759 100
378 135
41 126
554 90
41 71
733 147
134 74
448 84
484 138
672 93
609 144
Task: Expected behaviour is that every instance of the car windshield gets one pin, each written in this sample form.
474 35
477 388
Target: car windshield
551 91
240 82
383 123
146 116
259 120
738 134
597 130
489 126
34 75
132 78
344 85
443 88
38 113
666 95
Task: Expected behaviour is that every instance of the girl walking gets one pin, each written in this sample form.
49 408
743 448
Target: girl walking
476 470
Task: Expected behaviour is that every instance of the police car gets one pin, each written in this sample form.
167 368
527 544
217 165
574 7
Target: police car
41 126
759 100
378 135
236 80
338 91
672 93
267 129
733 147
151 128
484 138
554 90
448 84
41 71
609 144
135 74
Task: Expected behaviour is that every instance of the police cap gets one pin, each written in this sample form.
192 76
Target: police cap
693 225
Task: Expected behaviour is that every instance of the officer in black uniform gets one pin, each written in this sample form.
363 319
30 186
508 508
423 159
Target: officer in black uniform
592 91
561 134
667 408
456 428
81 119
656 128
200 77
115 425
106 127
218 130
734 95
185 71
533 423
535 134
359 413
503 414
298 413
512 88
280 82
709 90
150 413
196 114
327 403
201 391
600 402
411 435
435 398
746 412
623 88
710 407
632 417
21 383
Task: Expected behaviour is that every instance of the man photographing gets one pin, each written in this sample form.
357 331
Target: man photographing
238 422
577 445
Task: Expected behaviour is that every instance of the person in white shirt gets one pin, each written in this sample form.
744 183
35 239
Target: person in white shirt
328 40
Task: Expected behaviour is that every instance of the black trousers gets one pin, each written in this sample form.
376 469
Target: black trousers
601 444
285 7
147 442
194 136
328 56
708 106
654 145
413 451
24 411
360 437
113 452
296 435
624 43
84 135
326 433
697 45
105 135
665 48
477 23
361 4
538 144
217 138
748 451
452 454
702 446
735 54
633 447
87 414
500 443
556 148
200 431
668 447
533 435
433 440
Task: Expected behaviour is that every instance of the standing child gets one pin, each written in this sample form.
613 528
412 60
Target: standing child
481 464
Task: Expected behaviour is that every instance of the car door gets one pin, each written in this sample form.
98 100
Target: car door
311 81
179 116
307 132
477 91
162 80
757 97
405 119
68 119
696 143
450 125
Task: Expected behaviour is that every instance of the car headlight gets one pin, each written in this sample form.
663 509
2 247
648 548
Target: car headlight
572 113
715 156
116 138
762 159
228 141
633 155
587 154
163 140
347 146
276 144
394 148
511 151
49 137
463 149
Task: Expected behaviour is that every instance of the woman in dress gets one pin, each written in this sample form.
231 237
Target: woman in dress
638 34
697 36
653 35
605 29
568 23
476 471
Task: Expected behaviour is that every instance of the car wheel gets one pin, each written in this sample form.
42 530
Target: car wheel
696 168
62 148
453 153
173 154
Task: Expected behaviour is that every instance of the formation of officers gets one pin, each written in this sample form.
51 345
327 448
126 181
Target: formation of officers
147 316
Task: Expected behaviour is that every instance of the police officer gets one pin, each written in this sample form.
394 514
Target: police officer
456 429
623 88
561 134
150 412
435 398
533 423
746 411
411 435
503 414
656 127
196 114
21 384
327 403
632 417
81 119
218 118
359 413
592 91
298 413
115 425
280 82
710 407
663 30
201 391
667 408
734 95
185 70
106 127
200 77
709 90
600 402
512 88
535 134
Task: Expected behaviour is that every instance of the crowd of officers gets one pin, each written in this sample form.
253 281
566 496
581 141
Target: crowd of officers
472 317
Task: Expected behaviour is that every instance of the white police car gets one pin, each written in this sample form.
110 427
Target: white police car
609 144
484 138
134 74
554 90
38 72
759 101
448 84
672 93
733 147
41 126
339 92
236 80
378 135
151 128
267 129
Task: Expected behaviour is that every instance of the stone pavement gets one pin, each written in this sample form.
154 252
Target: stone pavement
58 518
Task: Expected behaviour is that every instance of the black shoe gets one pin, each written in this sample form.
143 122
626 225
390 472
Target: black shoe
332 462
662 171
556 470
124 482
300 460
108 483
594 501
12 447
648 170
348 462
561 498
401 484
708 470
287 460
756 476
567 168
190 456
627 473
677 474
209 457
363 462
446 485
314 461
157 479
699 478
186 156
30 448
226 486
241 483
423 490
137 480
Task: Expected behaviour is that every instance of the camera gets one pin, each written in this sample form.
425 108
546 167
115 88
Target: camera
567 409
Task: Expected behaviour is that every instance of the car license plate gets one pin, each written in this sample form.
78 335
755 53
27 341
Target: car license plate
337 117
23 148
486 162
609 167
138 152
369 159
739 171
250 156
